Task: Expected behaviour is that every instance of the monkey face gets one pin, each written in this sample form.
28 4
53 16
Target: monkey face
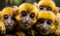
9 21
46 23
48 5
26 15
8 18
45 26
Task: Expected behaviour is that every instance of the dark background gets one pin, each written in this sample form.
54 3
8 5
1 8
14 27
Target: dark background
5 3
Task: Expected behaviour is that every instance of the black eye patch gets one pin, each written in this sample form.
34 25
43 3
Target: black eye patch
40 21
13 18
23 13
41 7
49 8
49 21
32 15
6 16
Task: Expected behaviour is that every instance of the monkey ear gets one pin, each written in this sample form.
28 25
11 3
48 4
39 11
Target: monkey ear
57 9
15 8
35 4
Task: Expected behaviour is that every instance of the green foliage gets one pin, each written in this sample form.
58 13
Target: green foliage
30 1
16 2
57 2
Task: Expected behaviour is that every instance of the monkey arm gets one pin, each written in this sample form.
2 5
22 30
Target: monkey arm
20 33
2 27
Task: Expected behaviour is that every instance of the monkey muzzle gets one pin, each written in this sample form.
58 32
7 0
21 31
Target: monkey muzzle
9 26
26 23
44 29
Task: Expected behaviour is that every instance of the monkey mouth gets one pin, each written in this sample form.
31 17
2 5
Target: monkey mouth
9 27
26 23
43 31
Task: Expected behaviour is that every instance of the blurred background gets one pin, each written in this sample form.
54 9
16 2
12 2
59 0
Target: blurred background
5 3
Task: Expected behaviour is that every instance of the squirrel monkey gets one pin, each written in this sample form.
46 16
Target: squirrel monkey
2 26
48 5
46 23
8 17
26 17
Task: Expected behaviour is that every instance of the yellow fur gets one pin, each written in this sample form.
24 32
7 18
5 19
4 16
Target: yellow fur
28 8
8 10
58 29
2 26
48 3
48 15
45 15
20 33
11 12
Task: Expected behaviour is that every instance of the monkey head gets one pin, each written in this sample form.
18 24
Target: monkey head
46 22
8 16
26 15
47 5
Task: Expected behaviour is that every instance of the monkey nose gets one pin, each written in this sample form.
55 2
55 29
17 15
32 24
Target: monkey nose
27 19
9 22
25 23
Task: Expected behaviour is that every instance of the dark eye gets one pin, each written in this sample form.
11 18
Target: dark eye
13 18
41 7
5 16
32 15
48 8
23 13
49 21
40 21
